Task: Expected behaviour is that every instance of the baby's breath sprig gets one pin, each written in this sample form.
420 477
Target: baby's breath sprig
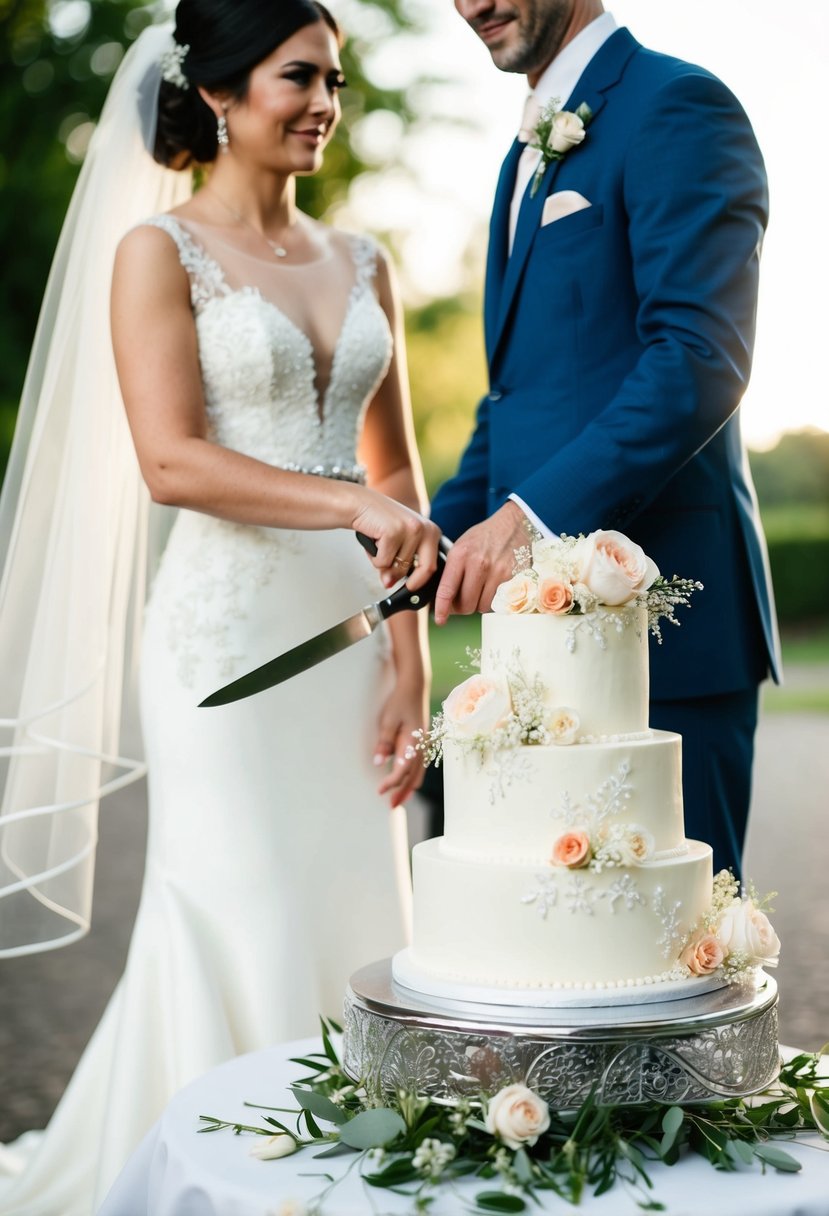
664 596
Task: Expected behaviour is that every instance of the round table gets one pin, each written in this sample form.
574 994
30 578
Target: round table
176 1172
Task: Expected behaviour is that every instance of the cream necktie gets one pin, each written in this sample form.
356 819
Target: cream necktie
527 164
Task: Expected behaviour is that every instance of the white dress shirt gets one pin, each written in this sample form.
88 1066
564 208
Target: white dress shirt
557 80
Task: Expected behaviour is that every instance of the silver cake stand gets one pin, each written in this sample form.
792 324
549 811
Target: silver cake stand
696 1049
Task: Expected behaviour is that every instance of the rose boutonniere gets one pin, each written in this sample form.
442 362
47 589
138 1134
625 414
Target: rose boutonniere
555 133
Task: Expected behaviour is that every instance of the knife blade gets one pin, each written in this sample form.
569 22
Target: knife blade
331 641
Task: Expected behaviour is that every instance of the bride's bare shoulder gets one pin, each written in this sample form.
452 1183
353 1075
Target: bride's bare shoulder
149 251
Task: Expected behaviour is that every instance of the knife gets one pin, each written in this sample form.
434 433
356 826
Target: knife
333 640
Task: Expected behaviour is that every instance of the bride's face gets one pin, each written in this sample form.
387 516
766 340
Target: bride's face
292 106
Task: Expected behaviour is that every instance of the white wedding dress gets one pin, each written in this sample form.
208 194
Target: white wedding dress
273 868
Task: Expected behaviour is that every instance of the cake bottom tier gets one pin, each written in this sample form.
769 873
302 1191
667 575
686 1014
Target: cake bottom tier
511 924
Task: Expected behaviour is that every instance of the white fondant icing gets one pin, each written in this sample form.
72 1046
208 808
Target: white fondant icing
647 989
523 823
606 685
490 921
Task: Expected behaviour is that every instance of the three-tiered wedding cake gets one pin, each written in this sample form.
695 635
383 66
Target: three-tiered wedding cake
564 873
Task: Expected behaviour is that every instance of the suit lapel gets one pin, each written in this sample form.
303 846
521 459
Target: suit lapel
603 71
498 242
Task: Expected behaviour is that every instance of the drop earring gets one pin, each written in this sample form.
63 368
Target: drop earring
222 137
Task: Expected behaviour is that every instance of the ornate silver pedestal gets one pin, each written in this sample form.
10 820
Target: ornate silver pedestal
696 1049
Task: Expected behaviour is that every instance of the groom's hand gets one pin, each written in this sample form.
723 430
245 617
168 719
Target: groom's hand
478 561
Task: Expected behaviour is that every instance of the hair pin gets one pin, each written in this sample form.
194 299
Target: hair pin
171 62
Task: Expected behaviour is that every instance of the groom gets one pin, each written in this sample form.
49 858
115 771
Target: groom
619 317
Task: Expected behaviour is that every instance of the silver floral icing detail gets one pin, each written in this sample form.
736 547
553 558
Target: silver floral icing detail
506 766
624 888
609 799
668 914
596 623
581 896
545 896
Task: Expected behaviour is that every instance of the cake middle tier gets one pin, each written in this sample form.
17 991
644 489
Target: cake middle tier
508 924
513 805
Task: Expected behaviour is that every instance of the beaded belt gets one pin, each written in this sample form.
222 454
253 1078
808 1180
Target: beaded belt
337 472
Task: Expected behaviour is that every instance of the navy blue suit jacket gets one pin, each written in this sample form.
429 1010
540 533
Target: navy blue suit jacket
619 343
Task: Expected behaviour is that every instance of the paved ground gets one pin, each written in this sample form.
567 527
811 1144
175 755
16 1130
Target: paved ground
50 1003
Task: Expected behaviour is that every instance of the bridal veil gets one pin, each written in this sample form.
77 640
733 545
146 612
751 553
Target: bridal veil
78 539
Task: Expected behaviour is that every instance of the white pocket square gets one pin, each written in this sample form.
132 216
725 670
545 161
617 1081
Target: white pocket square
561 204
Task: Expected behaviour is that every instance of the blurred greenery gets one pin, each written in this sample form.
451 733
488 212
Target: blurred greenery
795 471
447 371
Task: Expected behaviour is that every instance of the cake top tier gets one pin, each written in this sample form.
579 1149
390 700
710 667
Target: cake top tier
586 675
564 651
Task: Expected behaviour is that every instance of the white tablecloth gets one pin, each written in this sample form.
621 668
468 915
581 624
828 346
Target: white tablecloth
176 1172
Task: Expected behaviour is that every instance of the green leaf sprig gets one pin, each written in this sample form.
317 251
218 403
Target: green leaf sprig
414 1145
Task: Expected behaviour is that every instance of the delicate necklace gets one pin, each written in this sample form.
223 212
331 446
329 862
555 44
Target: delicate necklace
276 249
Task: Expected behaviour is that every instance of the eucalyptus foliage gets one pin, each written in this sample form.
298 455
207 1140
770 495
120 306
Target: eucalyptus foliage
415 1145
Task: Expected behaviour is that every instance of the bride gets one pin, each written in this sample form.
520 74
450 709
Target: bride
259 360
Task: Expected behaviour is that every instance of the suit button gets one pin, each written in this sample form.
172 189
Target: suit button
495 395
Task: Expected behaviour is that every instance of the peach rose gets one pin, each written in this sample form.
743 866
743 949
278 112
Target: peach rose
744 929
703 956
476 707
572 849
554 596
614 568
517 1116
517 594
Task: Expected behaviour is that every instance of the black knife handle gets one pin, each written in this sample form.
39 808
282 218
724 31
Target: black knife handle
403 599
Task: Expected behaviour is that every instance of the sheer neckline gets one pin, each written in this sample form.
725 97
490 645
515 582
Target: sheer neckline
321 389
279 263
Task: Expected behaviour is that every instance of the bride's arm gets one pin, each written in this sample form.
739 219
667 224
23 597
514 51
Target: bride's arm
156 354
389 452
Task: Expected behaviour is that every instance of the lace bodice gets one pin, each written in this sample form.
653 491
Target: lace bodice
259 368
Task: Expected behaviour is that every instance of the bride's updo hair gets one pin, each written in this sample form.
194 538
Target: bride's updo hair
226 40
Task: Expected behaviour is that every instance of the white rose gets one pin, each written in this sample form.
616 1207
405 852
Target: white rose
557 559
550 558
744 929
563 724
614 568
518 594
567 131
476 707
273 1147
517 1116
635 846
291 1207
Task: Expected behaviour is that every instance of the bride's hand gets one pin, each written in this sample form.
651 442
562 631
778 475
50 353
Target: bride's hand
404 712
401 535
